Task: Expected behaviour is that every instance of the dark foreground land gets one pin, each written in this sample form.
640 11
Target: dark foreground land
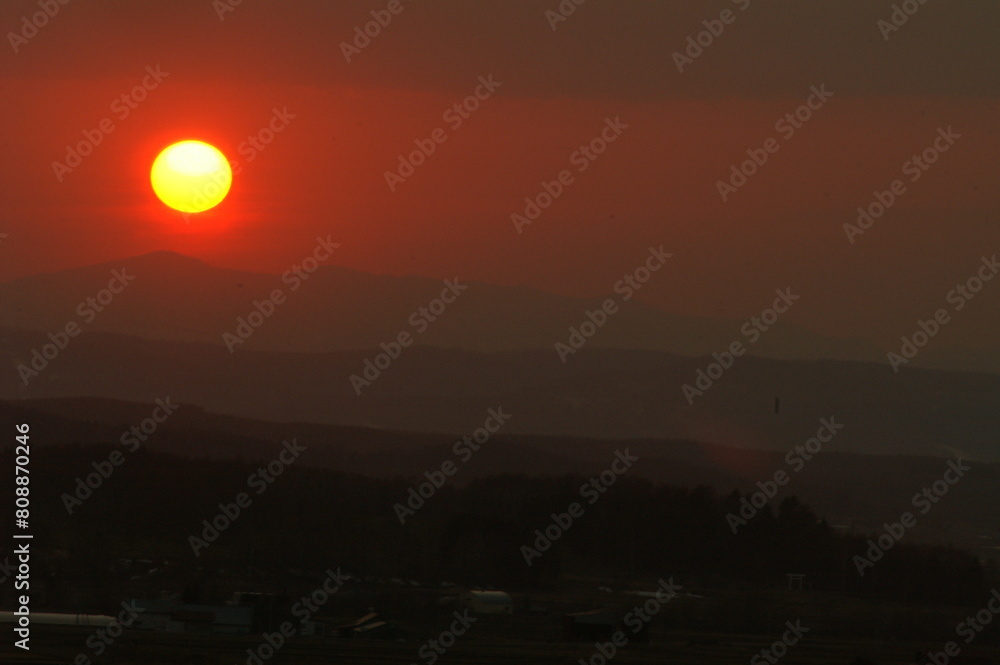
58 646
142 532
836 630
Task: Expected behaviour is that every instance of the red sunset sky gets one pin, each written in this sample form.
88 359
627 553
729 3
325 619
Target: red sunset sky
324 174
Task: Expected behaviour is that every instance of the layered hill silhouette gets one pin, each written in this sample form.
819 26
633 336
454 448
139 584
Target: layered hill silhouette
855 492
599 393
180 299
493 346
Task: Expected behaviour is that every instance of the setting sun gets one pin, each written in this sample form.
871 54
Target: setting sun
191 176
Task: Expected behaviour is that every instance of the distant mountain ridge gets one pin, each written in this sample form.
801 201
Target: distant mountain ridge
603 393
156 329
180 299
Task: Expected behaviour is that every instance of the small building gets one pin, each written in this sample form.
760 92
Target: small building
176 617
486 602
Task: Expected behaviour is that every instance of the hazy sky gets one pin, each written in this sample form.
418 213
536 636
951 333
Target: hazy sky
325 173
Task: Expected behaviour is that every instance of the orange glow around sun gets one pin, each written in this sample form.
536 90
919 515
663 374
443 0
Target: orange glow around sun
191 176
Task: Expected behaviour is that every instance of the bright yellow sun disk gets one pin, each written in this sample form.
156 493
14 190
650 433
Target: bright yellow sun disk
191 176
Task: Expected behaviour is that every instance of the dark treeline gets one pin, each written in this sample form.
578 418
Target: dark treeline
312 519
